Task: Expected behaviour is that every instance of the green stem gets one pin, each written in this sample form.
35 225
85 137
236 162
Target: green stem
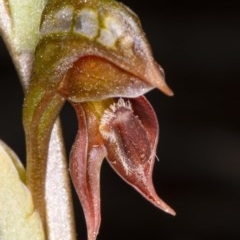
41 108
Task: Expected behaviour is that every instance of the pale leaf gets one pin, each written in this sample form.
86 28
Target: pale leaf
18 220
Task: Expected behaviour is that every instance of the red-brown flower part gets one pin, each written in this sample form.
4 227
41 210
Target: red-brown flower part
88 152
130 132
125 131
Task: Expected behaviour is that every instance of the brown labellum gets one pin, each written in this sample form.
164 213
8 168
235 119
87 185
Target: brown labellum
131 145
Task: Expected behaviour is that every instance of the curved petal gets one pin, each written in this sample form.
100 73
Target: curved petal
130 132
94 78
86 159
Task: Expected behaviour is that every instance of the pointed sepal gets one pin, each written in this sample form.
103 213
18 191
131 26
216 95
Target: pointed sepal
130 132
86 159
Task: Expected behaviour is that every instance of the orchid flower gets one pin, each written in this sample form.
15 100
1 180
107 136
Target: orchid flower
94 54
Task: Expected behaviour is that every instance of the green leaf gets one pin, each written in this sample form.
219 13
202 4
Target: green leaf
19 28
18 220
25 18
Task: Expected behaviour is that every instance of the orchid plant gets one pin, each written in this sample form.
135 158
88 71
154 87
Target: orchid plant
93 54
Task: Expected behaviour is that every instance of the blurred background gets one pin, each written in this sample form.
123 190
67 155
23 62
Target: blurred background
198 172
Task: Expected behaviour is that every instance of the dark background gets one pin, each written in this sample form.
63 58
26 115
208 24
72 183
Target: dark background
198 45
